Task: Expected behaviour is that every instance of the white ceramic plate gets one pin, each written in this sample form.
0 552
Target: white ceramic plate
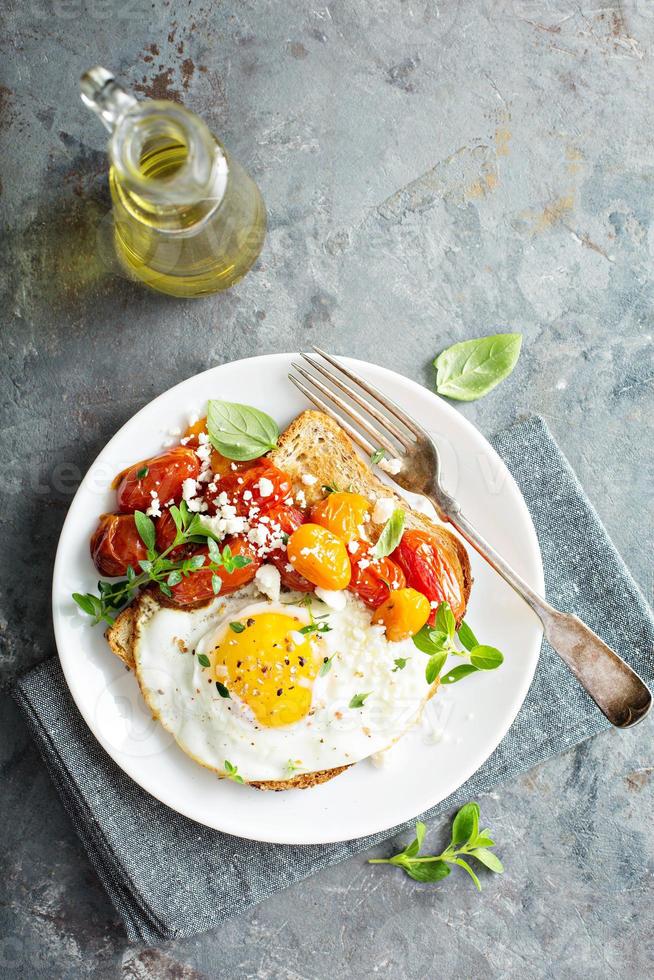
464 723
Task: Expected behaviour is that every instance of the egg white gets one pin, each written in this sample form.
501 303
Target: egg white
212 729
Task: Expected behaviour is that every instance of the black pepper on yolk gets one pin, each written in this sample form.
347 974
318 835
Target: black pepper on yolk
265 668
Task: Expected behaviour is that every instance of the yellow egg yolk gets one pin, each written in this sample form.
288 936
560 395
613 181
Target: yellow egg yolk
264 667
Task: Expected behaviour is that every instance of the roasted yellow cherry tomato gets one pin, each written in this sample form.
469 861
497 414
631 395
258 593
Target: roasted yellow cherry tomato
343 513
320 556
403 614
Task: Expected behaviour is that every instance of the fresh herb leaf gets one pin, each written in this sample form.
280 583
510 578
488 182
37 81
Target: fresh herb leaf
327 489
465 825
426 871
142 473
488 859
466 842
222 690
466 637
214 551
400 663
174 578
377 456
146 529
326 665
470 369
458 673
203 660
315 628
445 621
359 699
391 534
430 641
434 666
216 584
232 772
237 627
86 602
486 658
240 432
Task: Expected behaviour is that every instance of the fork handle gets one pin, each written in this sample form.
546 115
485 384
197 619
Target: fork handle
617 690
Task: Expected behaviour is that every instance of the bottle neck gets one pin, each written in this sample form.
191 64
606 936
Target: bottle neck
164 159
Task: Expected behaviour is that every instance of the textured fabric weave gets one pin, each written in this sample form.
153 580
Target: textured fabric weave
147 855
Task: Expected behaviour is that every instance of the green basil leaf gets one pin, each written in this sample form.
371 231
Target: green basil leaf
486 658
458 673
142 473
326 666
237 627
435 665
488 859
359 699
240 432
391 535
195 562
467 637
165 589
174 578
468 370
445 621
429 640
377 456
145 566
400 664
203 660
214 551
145 527
177 517
483 840
222 690
426 870
465 825
216 584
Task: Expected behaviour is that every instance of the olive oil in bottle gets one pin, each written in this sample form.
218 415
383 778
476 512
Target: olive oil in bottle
188 219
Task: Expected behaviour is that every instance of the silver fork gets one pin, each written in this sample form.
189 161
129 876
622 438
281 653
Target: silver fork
615 688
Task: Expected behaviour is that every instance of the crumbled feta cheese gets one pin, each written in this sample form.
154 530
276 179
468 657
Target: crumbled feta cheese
297 638
265 486
383 510
154 510
203 439
300 499
353 547
193 418
363 564
305 552
247 495
391 466
309 479
185 439
258 534
335 599
189 489
268 581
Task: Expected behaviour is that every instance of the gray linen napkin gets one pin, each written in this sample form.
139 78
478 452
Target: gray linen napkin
147 855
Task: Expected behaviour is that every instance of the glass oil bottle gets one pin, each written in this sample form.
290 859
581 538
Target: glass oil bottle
188 219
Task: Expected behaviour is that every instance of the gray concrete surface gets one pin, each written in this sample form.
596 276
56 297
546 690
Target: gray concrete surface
431 171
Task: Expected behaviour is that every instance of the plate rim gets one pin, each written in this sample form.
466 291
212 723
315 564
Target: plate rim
380 826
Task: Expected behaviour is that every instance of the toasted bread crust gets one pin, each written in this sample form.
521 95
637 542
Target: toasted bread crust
314 444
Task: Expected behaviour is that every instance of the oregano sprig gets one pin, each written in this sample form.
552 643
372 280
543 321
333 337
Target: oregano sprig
159 568
439 641
467 841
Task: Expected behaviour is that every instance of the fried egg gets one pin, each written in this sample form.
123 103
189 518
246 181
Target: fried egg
277 688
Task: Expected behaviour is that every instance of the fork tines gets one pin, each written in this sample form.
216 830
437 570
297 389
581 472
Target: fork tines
377 408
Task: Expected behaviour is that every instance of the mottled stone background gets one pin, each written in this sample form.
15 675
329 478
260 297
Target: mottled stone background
431 171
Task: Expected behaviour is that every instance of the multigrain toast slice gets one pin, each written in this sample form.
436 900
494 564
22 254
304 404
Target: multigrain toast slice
315 445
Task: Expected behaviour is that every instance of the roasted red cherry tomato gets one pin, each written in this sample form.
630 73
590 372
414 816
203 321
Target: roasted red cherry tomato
262 486
289 519
427 571
377 579
116 544
163 475
197 587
